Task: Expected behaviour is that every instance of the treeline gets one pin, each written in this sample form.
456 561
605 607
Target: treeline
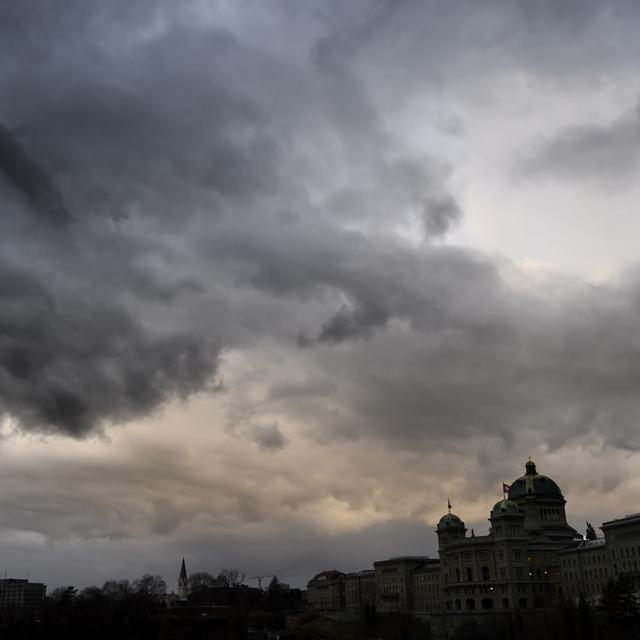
219 606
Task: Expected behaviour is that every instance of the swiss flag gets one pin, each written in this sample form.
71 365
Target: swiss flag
505 487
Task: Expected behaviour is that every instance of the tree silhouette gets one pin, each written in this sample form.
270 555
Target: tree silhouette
231 577
618 600
150 585
202 580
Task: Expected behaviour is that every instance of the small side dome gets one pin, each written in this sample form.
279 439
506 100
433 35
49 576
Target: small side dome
450 521
504 506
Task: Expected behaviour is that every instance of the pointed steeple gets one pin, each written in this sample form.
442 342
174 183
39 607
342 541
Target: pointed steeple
183 582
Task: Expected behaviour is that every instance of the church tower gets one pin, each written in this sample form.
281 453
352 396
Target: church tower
183 583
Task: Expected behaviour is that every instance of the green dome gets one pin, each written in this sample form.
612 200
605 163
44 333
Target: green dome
540 485
504 506
450 521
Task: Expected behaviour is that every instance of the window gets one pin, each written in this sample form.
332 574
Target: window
470 604
485 573
517 555
469 574
487 603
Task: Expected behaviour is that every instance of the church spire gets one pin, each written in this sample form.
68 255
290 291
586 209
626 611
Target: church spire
183 572
183 582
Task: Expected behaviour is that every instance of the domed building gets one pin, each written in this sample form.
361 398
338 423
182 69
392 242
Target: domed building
542 502
516 565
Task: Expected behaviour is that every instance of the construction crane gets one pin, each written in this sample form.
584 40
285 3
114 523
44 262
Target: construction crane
260 579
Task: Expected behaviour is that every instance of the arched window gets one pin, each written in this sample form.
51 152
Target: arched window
485 573
457 575
523 603
469 574
487 603
505 603
457 604
470 604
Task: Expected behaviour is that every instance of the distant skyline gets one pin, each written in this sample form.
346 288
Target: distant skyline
279 278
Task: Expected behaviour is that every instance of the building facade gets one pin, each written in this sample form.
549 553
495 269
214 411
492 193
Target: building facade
326 591
530 560
427 589
585 569
515 566
19 596
395 583
588 565
622 541
360 591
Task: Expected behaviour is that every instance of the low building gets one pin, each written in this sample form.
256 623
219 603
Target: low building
360 590
584 569
427 589
622 538
325 591
394 583
588 565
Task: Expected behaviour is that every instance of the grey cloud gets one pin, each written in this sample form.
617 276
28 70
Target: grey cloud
602 153
26 175
439 215
269 437
68 365
236 190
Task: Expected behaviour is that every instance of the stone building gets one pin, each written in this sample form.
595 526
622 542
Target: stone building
325 591
394 583
515 566
360 590
427 589
529 561
584 569
587 565
622 539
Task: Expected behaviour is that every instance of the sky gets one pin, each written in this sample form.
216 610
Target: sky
278 278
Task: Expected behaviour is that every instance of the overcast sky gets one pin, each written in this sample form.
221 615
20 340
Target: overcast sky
279 277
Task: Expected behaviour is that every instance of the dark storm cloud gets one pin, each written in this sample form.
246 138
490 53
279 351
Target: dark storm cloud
68 364
26 175
600 152
236 189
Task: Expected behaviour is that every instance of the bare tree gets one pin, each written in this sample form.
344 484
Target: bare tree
202 580
150 585
231 577
117 589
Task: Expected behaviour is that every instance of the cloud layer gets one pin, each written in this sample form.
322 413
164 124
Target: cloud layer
329 228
